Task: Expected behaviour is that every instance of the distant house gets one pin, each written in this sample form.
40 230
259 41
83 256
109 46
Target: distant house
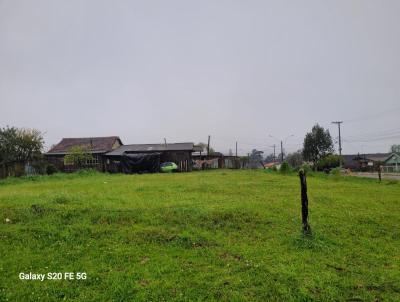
364 162
96 146
148 157
392 163
270 165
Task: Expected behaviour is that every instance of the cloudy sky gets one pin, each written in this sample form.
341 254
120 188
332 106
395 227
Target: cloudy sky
183 70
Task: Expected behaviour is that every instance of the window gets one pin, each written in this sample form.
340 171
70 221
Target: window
93 161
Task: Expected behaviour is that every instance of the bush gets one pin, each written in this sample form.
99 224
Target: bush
328 162
335 173
307 169
51 169
285 168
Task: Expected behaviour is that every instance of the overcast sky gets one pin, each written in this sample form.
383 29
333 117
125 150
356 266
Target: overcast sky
237 70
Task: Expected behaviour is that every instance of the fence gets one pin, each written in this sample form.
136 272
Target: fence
391 169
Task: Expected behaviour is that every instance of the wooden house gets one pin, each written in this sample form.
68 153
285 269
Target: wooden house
96 146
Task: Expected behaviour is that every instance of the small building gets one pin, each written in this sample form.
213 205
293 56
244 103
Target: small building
392 163
140 158
215 160
96 146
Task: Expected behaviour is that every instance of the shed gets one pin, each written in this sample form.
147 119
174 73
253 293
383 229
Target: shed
179 153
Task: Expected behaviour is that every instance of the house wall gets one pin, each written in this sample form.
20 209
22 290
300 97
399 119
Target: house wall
58 162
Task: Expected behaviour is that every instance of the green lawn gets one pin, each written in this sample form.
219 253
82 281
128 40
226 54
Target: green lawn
214 235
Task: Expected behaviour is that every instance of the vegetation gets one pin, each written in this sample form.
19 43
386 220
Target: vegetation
78 156
19 146
317 144
204 146
329 162
395 149
295 159
285 168
256 159
210 235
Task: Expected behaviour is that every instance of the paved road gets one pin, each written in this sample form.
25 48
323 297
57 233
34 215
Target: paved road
375 175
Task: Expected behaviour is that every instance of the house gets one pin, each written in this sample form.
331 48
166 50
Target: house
96 146
139 158
364 162
272 164
392 163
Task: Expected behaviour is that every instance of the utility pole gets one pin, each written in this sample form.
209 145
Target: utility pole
165 142
208 147
274 151
236 150
340 140
282 140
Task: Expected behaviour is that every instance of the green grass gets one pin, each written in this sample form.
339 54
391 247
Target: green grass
214 235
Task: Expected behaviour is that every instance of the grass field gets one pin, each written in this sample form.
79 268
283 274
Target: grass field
214 235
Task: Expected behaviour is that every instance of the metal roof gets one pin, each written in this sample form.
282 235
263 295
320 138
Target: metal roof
151 148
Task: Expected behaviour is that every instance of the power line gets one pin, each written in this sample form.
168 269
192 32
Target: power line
374 115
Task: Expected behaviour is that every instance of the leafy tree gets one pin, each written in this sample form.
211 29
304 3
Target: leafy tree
77 156
19 145
269 158
256 159
317 144
395 149
295 159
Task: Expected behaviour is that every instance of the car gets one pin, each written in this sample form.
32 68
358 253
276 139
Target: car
168 167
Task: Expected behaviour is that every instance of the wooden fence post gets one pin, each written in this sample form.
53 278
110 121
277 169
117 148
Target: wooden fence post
304 202
380 168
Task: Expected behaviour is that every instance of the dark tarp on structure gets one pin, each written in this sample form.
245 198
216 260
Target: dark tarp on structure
140 162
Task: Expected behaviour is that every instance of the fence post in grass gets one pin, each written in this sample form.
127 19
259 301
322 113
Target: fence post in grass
380 173
304 202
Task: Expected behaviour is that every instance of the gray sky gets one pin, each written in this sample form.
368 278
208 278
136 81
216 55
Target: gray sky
237 70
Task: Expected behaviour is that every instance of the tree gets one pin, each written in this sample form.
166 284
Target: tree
317 144
395 149
19 145
256 159
204 146
77 156
295 159
269 158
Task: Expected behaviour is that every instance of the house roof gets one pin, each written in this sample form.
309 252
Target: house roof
353 158
271 164
393 157
375 156
94 144
151 148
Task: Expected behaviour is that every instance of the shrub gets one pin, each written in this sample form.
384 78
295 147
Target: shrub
285 168
307 169
51 169
335 173
328 162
